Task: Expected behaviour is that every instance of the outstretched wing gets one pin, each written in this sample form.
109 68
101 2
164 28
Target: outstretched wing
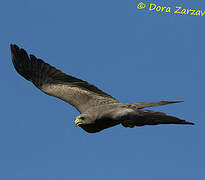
141 118
54 82
130 117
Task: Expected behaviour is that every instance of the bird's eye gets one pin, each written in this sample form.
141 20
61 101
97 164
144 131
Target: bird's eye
82 118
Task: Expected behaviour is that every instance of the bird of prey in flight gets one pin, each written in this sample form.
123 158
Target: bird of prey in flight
98 110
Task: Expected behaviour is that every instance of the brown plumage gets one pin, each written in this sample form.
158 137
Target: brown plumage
98 109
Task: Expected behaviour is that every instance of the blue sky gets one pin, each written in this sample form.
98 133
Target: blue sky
134 55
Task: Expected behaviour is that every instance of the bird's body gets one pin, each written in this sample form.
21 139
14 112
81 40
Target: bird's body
98 109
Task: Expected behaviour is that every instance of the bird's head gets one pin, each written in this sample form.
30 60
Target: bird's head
83 119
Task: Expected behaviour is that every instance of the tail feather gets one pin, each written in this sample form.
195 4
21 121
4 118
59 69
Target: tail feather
141 105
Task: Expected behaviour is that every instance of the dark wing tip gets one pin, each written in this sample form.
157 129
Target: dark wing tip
25 66
178 101
191 123
170 102
14 48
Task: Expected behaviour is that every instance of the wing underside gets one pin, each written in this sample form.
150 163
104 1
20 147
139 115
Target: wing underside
54 82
